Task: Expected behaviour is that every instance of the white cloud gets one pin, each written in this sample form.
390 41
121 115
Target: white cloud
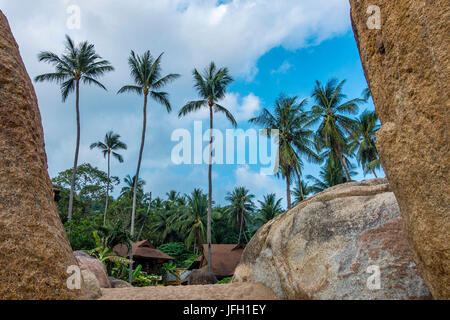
190 32
283 68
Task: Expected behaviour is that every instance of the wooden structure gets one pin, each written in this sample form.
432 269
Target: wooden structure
145 254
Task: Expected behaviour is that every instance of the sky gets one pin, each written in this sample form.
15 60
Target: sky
270 47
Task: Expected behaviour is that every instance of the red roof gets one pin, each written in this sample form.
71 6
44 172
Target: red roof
142 249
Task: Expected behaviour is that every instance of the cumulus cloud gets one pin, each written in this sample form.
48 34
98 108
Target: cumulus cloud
192 33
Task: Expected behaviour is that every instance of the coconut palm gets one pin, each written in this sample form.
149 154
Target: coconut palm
295 137
110 144
211 87
240 208
331 110
301 191
146 74
79 64
331 175
269 208
363 139
192 222
128 190
366 94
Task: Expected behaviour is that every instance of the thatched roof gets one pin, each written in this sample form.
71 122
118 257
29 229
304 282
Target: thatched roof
225 258
142 249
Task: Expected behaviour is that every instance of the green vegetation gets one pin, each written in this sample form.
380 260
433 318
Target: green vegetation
325 133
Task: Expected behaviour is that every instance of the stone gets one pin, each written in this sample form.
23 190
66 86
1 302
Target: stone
34 250
410 82
332 245
91 283
116 283
201 276
95 266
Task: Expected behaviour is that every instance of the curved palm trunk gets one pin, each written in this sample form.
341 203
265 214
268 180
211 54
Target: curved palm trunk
344 165
373 171
107 189
77 149
133 212
288 189
240 228
208 228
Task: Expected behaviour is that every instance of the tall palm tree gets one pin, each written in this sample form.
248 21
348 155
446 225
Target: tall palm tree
192 221
363 139
330 109
211 87
295 137
146 74
110 144
240 208
269 208
79 64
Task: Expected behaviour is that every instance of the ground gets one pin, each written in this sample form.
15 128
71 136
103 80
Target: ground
233 291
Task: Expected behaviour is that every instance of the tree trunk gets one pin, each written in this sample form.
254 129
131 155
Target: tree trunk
373 171
208 228
288 189
240 228
77 149
107 188
133 212
344 165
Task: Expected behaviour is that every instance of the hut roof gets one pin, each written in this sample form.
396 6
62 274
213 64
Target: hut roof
225 258
142 249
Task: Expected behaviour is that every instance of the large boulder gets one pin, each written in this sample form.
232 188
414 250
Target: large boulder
91 283
331 246
95 266
117 283
34 250
406 63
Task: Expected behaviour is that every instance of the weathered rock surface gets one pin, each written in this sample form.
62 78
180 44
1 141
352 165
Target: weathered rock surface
95 266
321 249
117 283
34 250
407 65
91 283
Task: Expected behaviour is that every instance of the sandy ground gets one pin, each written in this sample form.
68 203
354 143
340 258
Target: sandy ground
233 291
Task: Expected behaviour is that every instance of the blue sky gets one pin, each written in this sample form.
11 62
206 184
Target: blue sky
270 47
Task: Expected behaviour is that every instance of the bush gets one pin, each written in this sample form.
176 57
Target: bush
225 280
81 232
183 256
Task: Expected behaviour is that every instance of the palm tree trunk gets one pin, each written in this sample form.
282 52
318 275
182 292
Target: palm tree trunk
77 149
208 228
240 228
373 171
107 188
133 212
288 189
344 165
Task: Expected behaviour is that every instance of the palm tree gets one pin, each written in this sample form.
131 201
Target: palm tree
331 175
301 191
240 208
366 94
269 208
363 139
192 221
211 86
110 144
128 190
80 63
146 74
330 110
295 137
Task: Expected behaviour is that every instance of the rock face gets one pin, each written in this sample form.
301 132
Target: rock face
201 276
117 283
95 266
34 250
322 248
406 63
91 283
